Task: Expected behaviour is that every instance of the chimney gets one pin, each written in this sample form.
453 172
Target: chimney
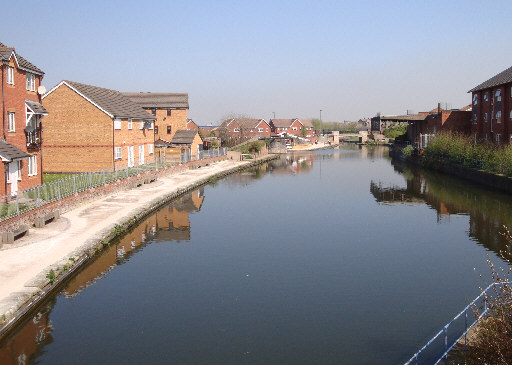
438 108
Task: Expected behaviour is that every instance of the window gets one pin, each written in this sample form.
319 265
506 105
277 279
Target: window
32 165
168 112
498 104
31 82
498 116
130 156
153 111
485 137
10 122
169 129
151 148
156 129
260 129
141 124
498 95
117 123
498 138
117 153
510 114
10 75
150 125
486 96
236 130
266 129
294 128
485 117
130 124
19 169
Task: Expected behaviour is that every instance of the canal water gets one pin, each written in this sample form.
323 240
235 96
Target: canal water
330 257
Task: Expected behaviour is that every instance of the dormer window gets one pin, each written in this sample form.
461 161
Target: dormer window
31 82
10 75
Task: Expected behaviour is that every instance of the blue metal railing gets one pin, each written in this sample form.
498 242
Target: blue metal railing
446 348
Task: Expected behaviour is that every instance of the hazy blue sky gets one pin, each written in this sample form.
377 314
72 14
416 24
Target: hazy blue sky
350 58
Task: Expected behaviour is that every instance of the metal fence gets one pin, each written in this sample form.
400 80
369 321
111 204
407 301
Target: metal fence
439 346
49 192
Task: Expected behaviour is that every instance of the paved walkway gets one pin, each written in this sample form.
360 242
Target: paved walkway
25 263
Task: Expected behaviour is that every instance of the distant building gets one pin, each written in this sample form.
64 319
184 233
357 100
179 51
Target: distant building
22 112
492 108
294 126
90 128
192 126
244 128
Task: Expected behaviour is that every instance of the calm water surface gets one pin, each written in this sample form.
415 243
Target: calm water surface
336 256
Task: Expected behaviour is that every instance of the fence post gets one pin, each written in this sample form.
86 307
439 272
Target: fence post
58 189
38 195
103 173
74 184
90 179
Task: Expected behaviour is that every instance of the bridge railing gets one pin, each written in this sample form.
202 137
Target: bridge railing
439 346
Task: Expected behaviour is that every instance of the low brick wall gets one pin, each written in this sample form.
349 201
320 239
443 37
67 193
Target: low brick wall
68 203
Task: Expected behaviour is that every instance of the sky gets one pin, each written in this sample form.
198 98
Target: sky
350 59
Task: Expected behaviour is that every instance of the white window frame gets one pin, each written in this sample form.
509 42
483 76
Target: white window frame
498 137
498 116
141 124
486 96
31 81
498 95
236 130
130 124
150 125
32 165
11 122
151 148
131 156
485 117
260 129
19 170
10 75
294 128
118 153
117 124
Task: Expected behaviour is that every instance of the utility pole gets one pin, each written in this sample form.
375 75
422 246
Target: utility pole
321 124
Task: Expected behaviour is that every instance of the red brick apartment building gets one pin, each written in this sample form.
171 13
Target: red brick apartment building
244 128
20 142
492 108
90 128
297 127
169 109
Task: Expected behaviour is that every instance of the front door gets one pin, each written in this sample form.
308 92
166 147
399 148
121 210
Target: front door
13 177
141 154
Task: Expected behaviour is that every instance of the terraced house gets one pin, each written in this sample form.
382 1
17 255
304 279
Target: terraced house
244 128
90 128
20 142
297 127
492 108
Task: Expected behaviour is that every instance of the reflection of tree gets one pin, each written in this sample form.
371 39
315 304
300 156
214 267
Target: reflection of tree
488 211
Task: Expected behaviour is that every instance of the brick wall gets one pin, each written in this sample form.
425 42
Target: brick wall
177 121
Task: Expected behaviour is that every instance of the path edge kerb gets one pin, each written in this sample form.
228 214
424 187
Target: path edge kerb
93 247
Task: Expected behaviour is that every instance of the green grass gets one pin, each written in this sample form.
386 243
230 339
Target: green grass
52 177
462 150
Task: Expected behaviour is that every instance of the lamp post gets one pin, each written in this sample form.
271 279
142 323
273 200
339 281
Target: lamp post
321 126
274 114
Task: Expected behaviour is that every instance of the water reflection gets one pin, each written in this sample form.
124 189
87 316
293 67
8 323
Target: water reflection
488 212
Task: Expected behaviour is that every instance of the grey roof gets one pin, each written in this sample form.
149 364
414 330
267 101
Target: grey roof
245 123
282 123
5 54
36 107
306 123
183 137
11 152
112 101
160 100
503 77
410 117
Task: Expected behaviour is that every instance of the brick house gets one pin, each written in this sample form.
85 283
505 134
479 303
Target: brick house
421 129
297 127
244 128
20 142
91 128
492 108
169 109
191 125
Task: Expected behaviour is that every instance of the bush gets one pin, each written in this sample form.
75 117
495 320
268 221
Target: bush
393 132
407 151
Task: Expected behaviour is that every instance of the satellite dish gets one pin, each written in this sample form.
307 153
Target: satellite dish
41 90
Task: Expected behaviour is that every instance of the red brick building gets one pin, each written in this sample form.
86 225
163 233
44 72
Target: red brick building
191 125
492 108
297 127
244 128
20 142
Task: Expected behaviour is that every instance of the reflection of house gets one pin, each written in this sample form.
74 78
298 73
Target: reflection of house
90 128
21 144
492 108
169 109
173 222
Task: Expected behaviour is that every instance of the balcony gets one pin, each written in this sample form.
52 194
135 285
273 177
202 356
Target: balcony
34 139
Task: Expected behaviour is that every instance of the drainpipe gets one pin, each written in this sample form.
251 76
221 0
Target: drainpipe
113 145
3 124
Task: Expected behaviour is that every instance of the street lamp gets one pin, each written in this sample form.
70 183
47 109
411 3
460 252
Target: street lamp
274 114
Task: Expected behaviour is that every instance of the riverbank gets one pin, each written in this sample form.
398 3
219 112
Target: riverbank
34 265
489 179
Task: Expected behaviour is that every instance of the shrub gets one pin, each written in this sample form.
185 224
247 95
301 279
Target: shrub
407 151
